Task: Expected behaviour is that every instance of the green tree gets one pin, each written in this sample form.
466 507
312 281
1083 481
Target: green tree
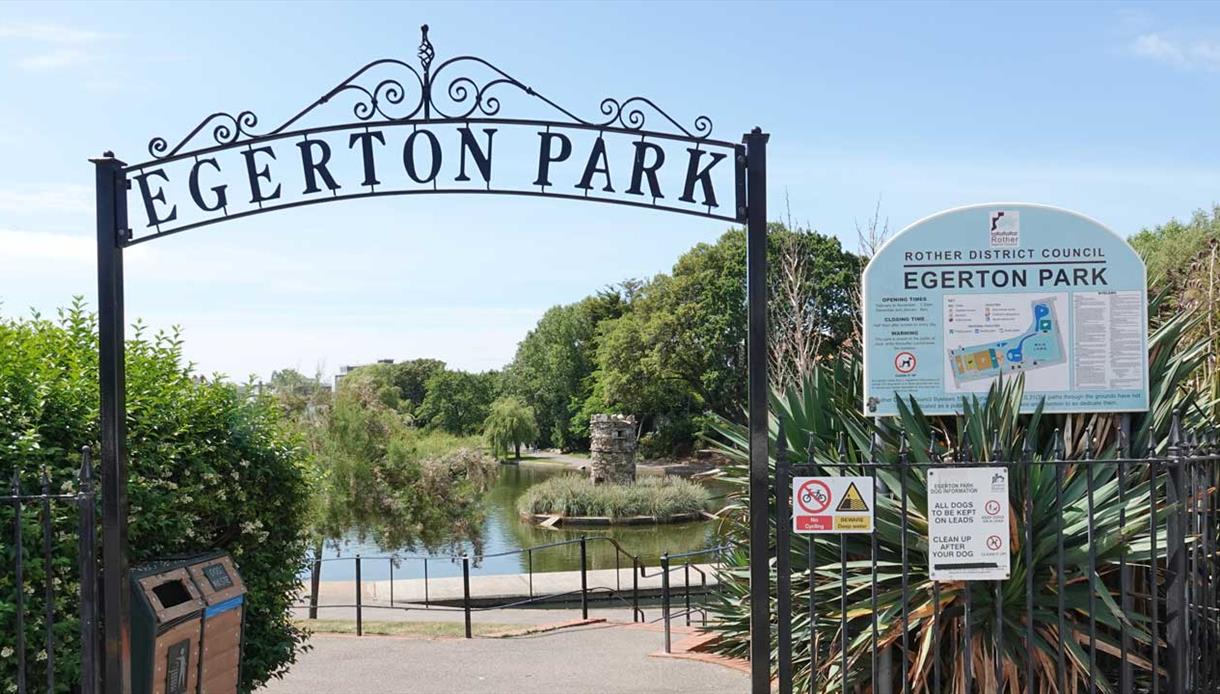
458 401
551 368
510 424
679 350
411 378
1183 260
209 467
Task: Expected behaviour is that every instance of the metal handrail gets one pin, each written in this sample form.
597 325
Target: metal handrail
639 570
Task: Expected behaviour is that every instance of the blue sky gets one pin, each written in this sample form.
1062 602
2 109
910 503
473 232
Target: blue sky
1109 109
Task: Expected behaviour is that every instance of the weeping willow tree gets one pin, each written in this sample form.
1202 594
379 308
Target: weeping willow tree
822 420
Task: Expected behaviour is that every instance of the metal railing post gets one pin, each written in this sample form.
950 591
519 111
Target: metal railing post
19 581
359 600
636 570
49 578
1175 578
391 561
783 562
466 590
88 574
427 604
665 597
686 582
315 580
584 579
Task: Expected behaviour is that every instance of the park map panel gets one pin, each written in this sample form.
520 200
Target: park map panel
970 297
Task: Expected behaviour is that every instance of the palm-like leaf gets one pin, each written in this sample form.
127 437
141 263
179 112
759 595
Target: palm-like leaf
820 416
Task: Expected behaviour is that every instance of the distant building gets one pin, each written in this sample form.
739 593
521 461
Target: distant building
345 370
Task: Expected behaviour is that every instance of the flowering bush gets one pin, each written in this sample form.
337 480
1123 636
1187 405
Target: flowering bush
209 468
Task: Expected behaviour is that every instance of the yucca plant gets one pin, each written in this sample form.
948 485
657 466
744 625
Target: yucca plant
822 423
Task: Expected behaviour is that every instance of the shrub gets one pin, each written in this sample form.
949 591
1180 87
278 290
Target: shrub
209 468
824 414
571 495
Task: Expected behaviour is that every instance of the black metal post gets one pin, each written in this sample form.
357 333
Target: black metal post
756 359
49 578
584 578
85 502
19 581
783 562
359 600
1175 566
315 583
665 597
427 602
111 191
391 562
466 590
686 593
635 589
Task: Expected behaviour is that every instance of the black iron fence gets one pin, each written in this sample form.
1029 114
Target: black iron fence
35 606
624 590
1113 583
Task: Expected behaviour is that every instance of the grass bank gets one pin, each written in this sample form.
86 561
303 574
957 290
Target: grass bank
572 495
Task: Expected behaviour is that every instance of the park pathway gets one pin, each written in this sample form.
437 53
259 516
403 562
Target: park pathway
592 659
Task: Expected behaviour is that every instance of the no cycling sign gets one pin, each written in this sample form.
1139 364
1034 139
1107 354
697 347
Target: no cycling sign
832 505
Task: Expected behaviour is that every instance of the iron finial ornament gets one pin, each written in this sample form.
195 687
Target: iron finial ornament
389 91
426 52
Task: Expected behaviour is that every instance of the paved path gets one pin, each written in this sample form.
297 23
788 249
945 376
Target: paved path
595 659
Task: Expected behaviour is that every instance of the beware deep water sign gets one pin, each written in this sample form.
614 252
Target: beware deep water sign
968 538
832 505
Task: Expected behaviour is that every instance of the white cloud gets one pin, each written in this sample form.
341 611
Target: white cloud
48 33
60 198
58 46
1201 53
1157 47
53 60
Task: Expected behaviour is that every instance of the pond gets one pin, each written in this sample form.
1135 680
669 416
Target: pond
505 531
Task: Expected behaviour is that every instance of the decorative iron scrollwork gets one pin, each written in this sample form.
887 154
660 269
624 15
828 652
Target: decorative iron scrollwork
413 95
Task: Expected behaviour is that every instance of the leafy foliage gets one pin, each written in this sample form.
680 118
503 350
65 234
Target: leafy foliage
1183 262
209 468
575 495
551 368
510 424
680 350
382 478
458 401
826 410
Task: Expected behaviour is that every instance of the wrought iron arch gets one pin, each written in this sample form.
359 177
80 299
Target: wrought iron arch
417 99
461 92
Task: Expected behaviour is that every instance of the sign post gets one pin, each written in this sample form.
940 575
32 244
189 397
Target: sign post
834 505
977 294
968 535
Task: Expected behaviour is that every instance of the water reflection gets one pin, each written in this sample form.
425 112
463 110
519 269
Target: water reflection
503 530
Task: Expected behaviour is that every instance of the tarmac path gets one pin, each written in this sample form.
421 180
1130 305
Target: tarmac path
592 659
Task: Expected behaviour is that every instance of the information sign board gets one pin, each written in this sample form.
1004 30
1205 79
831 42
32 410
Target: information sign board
832 505
968 536
968 296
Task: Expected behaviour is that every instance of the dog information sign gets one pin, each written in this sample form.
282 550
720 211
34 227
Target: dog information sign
968 297
832 505
968 538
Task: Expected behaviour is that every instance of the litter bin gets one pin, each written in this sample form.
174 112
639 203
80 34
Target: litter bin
166 616
224 608
186 626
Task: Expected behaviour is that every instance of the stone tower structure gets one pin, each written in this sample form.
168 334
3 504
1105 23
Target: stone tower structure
612 448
